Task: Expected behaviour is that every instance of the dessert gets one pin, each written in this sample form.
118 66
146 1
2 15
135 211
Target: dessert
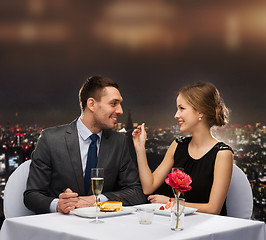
161 208
111 206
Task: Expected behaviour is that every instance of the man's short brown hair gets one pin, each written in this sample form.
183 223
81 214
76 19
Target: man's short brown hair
92 88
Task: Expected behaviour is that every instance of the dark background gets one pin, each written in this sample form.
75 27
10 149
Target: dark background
151 48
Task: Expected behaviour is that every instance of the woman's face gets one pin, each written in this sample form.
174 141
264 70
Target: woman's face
187 116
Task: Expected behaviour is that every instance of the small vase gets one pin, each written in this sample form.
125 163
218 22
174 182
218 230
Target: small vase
177 212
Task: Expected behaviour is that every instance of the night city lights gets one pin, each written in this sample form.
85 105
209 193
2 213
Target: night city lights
248 143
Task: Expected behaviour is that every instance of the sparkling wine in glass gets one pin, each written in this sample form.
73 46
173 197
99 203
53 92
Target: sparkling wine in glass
97 181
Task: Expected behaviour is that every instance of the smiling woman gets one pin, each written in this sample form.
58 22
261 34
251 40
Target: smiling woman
205 99
208 162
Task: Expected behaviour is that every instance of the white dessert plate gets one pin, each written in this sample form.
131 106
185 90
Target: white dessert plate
165 212
90 212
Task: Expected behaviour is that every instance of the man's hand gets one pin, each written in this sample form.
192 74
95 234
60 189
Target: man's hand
86 201
67 201
158 199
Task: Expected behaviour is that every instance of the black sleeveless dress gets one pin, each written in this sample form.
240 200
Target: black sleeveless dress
200 170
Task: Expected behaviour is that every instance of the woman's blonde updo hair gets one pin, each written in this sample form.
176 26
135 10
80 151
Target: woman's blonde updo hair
205 98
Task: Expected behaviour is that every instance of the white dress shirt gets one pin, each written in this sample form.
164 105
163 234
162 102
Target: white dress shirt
85 141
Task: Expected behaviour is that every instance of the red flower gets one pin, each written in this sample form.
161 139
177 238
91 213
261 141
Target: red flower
179 180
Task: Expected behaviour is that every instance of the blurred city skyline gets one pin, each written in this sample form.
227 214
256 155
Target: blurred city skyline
151 48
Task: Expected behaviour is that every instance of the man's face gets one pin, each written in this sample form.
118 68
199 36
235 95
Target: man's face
108 108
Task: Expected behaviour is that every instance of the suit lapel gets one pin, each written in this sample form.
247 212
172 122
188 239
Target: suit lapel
104 149
72 142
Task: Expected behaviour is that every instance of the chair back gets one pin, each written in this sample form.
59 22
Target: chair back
239 200
13 192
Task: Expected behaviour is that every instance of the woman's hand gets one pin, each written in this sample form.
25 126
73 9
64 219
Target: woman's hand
158 199
139 136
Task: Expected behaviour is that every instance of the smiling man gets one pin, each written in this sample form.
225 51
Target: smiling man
58 178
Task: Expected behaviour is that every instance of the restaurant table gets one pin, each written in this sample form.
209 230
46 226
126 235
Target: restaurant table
71 227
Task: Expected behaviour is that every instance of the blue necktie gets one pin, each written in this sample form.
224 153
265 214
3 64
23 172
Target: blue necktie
91 162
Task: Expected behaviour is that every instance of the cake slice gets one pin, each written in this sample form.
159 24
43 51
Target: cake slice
111 206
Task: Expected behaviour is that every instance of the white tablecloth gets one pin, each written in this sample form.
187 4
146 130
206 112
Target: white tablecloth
70 227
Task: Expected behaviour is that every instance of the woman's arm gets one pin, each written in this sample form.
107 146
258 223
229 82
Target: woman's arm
151 181
222 176
157 198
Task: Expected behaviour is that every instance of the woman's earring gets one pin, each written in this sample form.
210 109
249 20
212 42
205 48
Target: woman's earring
200 118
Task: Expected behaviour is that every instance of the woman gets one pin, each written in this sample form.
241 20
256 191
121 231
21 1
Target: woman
208 161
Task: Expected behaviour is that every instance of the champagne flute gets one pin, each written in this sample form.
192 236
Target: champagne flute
97 180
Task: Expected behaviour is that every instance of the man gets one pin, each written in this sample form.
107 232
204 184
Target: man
57 175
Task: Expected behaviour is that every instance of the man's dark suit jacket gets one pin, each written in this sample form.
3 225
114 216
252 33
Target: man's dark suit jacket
56 165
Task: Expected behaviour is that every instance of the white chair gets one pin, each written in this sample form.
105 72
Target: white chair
239 200
13 192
